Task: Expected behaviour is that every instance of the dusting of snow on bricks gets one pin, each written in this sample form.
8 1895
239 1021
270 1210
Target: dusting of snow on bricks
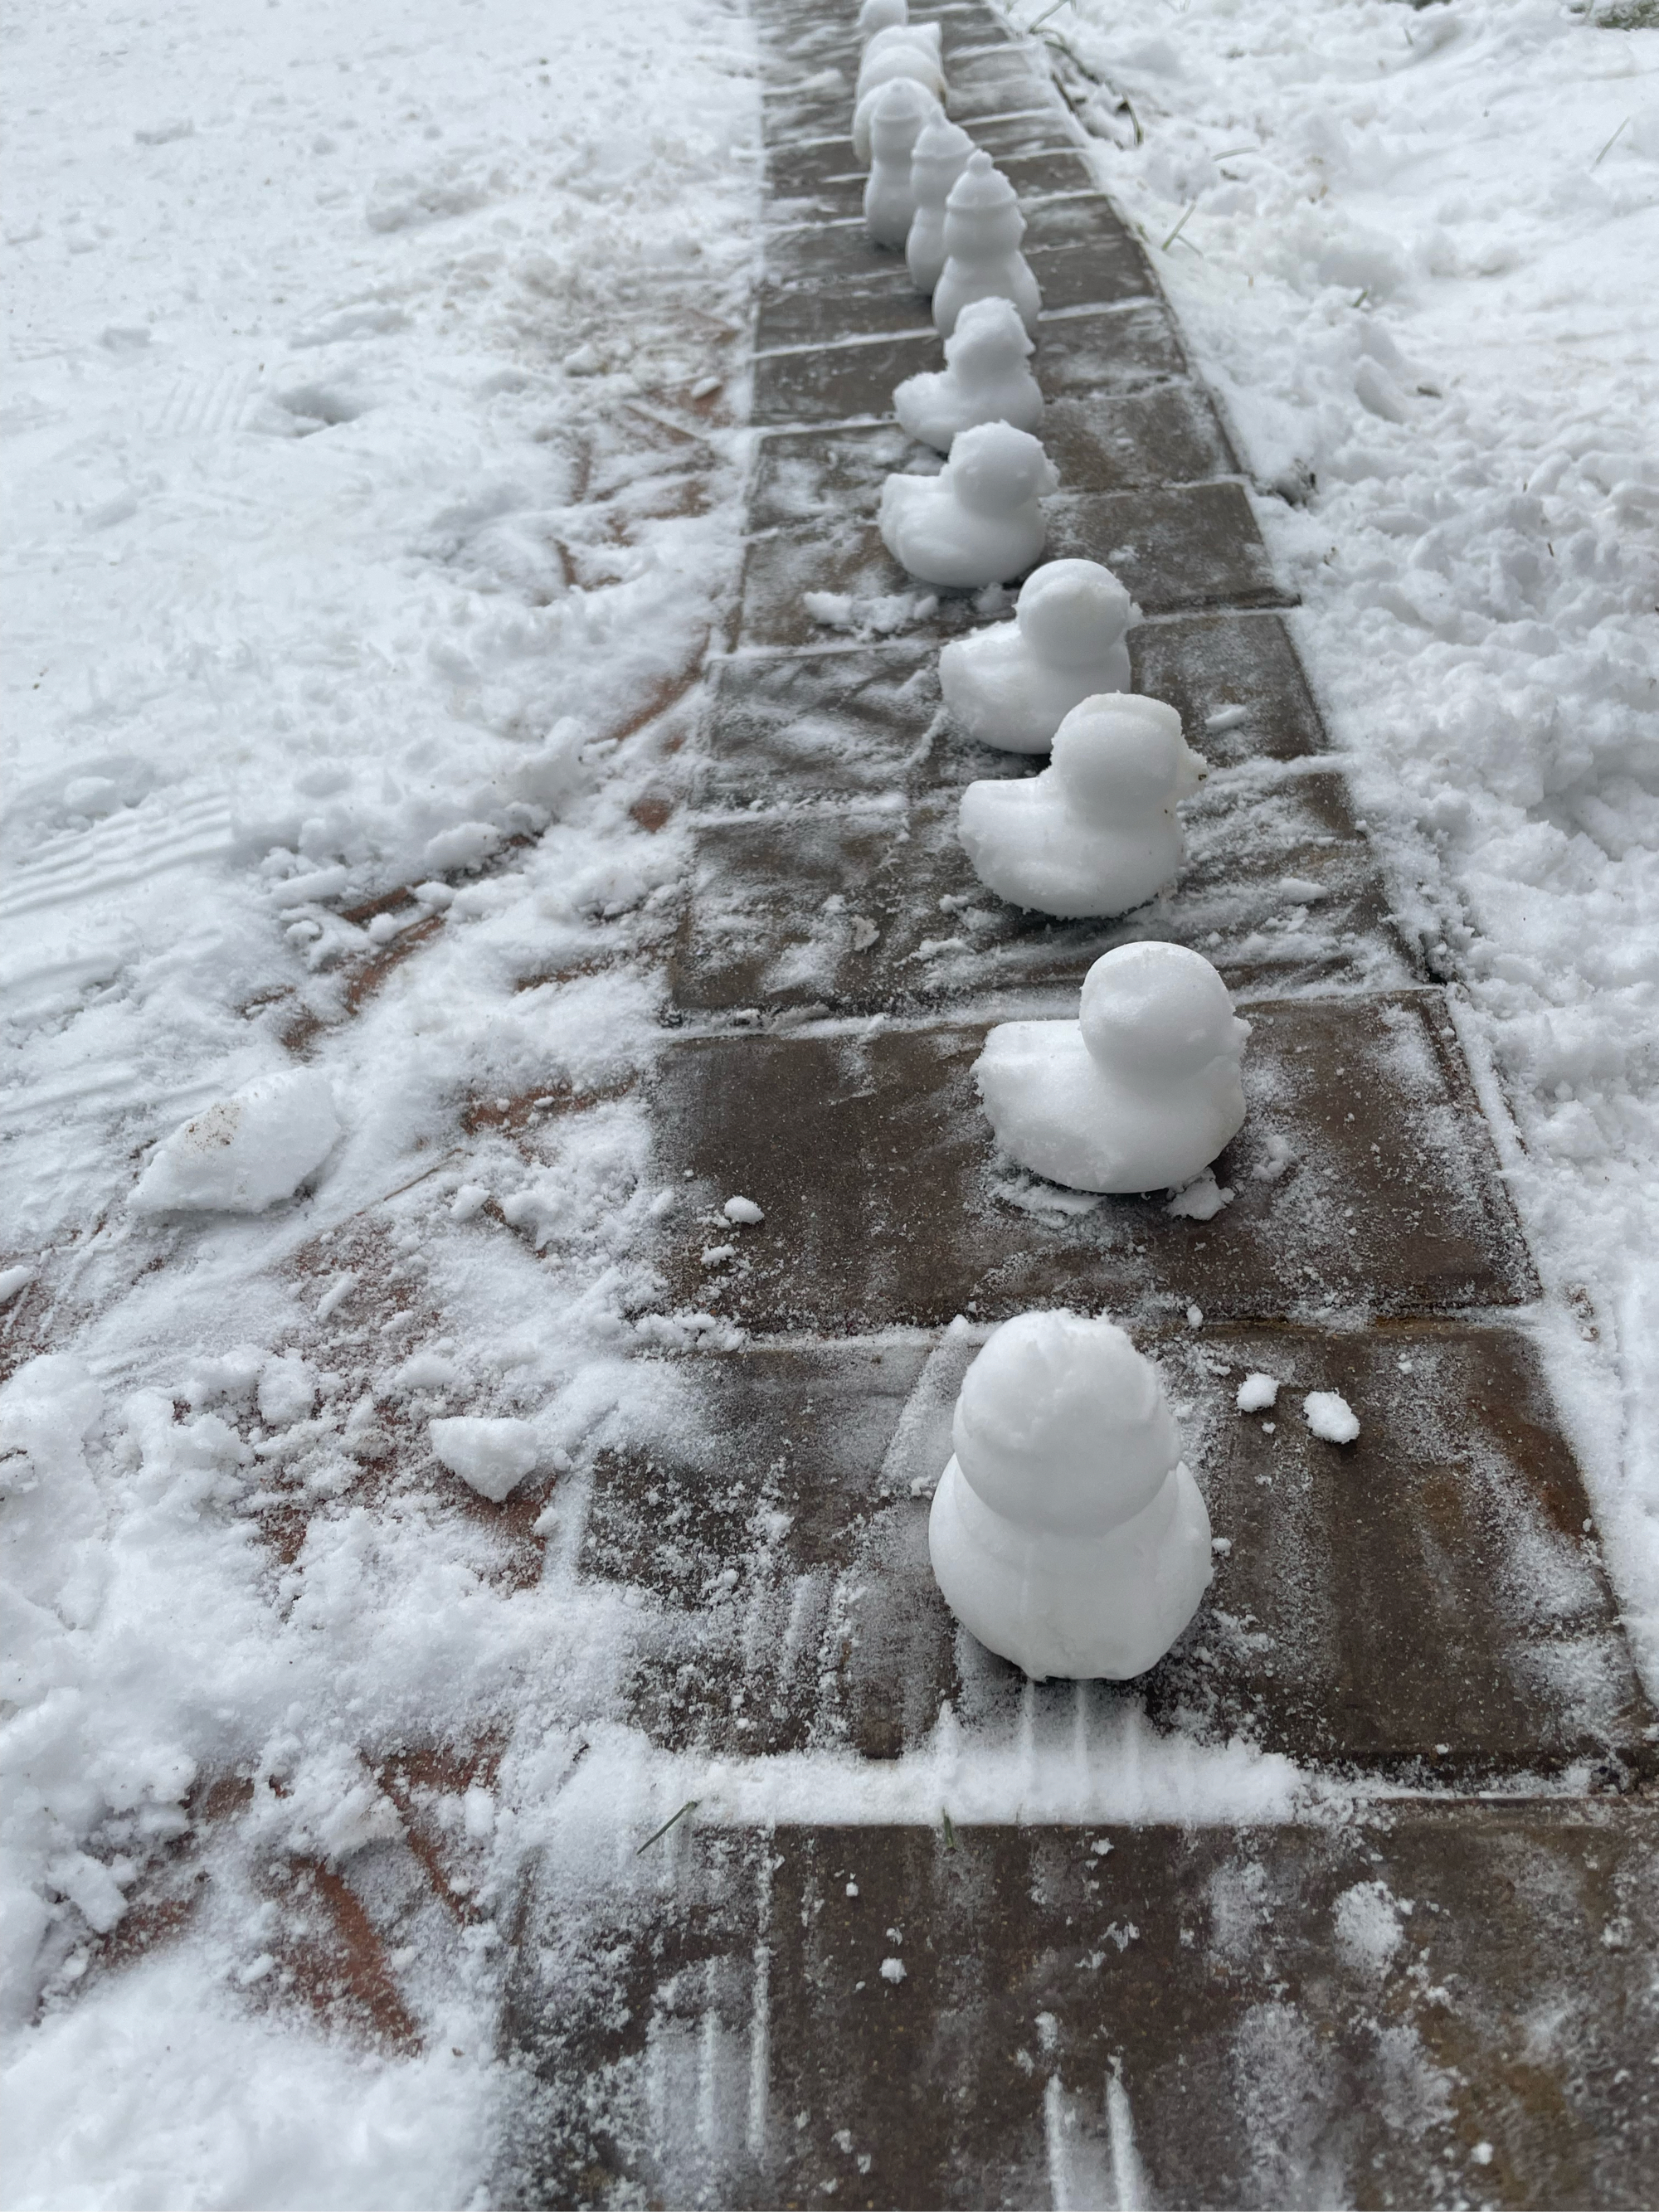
1066 1532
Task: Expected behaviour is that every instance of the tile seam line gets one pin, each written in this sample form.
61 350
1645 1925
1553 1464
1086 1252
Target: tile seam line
864 340
832 648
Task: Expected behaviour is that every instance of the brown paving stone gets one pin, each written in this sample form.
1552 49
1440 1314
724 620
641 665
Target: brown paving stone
999 83
1279 891
1082 355
1102 2016
886 1205
1423 1604
1185 546
868 720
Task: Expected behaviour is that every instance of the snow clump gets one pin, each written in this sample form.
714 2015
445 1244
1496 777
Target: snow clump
1331 1417
1257 1394
246 1151
490 1456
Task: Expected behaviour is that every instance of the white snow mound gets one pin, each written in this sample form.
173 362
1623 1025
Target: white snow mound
1258 1394
490 1456
246 1151
1330 1417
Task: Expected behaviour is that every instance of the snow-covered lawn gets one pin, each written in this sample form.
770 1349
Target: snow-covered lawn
373 487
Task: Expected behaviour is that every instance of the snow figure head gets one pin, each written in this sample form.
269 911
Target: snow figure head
990 342
1071 613
994 468
1154 1014
1122 758
1063 1426
881 16
914 52
981 216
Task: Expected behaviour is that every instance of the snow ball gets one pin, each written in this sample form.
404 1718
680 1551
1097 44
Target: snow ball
287 1391
744 1210
1256 1393
1194 1316
246 1151
892 1970
490 1456
1331 1417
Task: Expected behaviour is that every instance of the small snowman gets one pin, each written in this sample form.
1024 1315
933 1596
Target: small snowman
881 16
1014 684
903 112
1066 1533
1139 1093
978 521
1096 833
985 378
983 226
940 157
909 53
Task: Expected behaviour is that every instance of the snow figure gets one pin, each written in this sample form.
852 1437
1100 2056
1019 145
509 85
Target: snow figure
985 379
1139 1093
1012 685
903 110
1096 833
939 158
891 55
978 521
1066 1533
983 226
881 16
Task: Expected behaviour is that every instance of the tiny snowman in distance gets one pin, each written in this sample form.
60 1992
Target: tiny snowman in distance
979 520
903 111
1139 1093
1014 684
1066 1534
983 226
985 378
1096 832
938 159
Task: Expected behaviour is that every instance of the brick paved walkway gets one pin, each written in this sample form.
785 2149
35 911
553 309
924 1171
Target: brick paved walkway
1447 1998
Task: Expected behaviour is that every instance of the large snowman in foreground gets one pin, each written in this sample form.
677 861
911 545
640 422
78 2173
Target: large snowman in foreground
1066 1534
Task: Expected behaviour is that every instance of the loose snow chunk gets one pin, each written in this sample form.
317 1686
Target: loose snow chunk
287 1391
1331 1417
244 1152
716 1255
744 1210
1201 1200
490 1456
13 1279
1256 1393
892 1970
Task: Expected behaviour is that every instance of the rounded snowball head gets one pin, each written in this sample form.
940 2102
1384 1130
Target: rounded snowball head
1159 1011
1071 612
981 187
881 16
995 468
990 337
1062 1425
902 108
1120 751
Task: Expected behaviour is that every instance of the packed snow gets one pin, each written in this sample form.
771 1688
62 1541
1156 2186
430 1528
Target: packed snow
1066 1532
1096 832
903 109
979 520
1138 1093
1013 684
1330 1417
983 228
937 160
987 378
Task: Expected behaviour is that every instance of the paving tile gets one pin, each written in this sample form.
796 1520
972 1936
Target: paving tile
1279 891
1436 2004
996 84
1083 356
882 299
1364 1176
868 720
1423 1605
1187 546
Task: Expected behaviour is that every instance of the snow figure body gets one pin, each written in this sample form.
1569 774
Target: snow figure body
911 53
979 520
938 158
1139 1093
983 226
1066 1534
985 378
1014 684
1096 833
903 110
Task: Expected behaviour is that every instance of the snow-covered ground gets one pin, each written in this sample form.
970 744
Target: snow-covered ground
373 492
